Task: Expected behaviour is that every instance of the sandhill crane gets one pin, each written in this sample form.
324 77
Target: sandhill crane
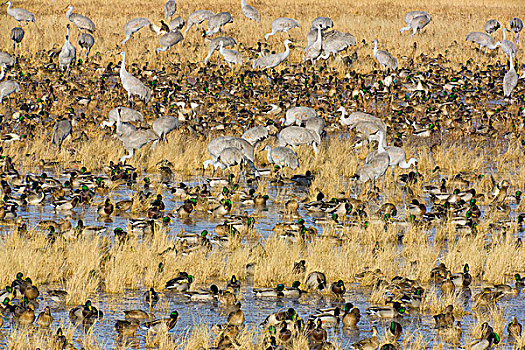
136 24
7 87
510 80
17 35
296 135
231 156
85 41
230 56
516 25
313 51
21 15
216 22
335 42
61 130
164 125
356 117
417 23
81 21
255 135
134 139
397 155
482 39
197 18
214 45
177 23
7 59
168 40
273 60
216 146
385 59
368 130
316 124
169 9
126 115
68 54
131 84
413 14
282 156
507 46
282 24
492 26
250 12
373 169
298 115
322 22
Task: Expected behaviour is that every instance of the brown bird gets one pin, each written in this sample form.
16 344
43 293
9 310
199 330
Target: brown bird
44 318
514 329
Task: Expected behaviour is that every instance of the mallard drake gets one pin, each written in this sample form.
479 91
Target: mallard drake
338 289
127 328
316 281
210 294
186 209
371 343
487 297
223 209
44 318
7 307
59 340
328 317
66 205
162 325
8 292
393 332
462 279
318 335
83 312
280 316
181 283
234 284
137 314
293 291
518 282
445 319
236 318
514 329
486 341
276 292
351 316
388 311
151 296
105 210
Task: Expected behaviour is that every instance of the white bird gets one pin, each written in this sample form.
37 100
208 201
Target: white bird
375 167
197 18
516 25
177 23
7 87
417 23
136 24
357 117
282 24
482 39
231 156
316 124
7 59
216 146
21 15
227 41
282 156
273 60
413 14
131 84
68 54
334 42
230 56
507 46
168 40
510 80
492 26
81 21
216 22
385 59
164 125
127 115
313 51
250 12
169 9
61 130
298 115
86 41
133 139
255 135
296 135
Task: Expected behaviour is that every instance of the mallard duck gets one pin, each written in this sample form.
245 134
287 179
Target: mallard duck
181 283
371 343
318 335
328 316
439 272
105 210
280 316
260 200
446 319
162 325
236 318
57 295
485 342
27 317
59 340
127 328
487 297
83 312
227 299
186 209
276 292
514 329
224 208
137 314
234 284
7 307
31 291
462 279
393 332
388 311
8 292
291 207
351 316
448 287
66 205
518 282
44 318
316 281
338 289
151 296
293 291
210 294
124 205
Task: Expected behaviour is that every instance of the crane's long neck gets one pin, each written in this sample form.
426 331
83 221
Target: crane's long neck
9 6
2 73
375 47
69 12
287 51
504 30
319 36
118 120
67 35
381 143
269 154
405 165
343 113
123 65
511 63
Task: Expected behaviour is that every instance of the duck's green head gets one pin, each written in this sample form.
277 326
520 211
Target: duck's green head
431 126
193 201
83 170
340 283
88 305
495 338
204 233
225 191
29 280
419 291
19 275
466 268
403 310
296 284
349 209
251 220
272 330
98 180
301 221
166 219
456 191
472 202
518 194
174 314
6 301
85 188
190 279
348 307
334 216
393 326
517 277
280 287
468 214
214 289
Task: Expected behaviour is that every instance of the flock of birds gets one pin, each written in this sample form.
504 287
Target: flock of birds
301 125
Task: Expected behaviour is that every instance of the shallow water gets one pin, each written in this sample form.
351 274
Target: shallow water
255 309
